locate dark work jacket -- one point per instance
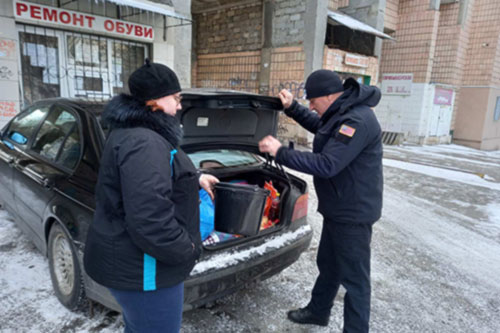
(346, 164)
(145, 234)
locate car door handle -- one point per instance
(47, 183)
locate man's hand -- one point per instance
(286, 98)
(269, 145)
(207, 182)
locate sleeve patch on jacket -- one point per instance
(347, 130)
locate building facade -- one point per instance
(447, 54)
(264, 46)
(86, 49)
(439, 74)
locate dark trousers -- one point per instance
(151, 311)
(344, 259)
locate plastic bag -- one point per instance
(218, 237)
(206, 214)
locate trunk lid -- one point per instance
(227, 119)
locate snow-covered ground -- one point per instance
(435, 261)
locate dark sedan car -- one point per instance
(49, 158)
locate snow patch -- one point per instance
(493, 211)
(457, 176)
(231, 259)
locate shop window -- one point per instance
(87, 51)
(362, 79)
(58, 63)
(125, 58)
(40, 66)
(89, 83)
(344, 38)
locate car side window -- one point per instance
(70, 153)
(23, 126)
(59, 130)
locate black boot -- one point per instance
(305, 316)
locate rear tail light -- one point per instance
(300, 208)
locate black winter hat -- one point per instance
(322, 83)
(152, 81)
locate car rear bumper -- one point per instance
(209, 281)
(216, 282)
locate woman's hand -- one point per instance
(207, 183)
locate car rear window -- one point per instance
(222, 158)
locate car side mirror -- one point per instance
(18, 138)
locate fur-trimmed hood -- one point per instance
(124, 111)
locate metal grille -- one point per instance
(58, 63)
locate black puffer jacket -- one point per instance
(346, 160)
(145, 234)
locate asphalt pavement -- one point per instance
(435, 261)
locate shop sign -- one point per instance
(59, 17)
(355, 60)
(443, 96)
(397, 84)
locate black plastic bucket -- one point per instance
(239, 208)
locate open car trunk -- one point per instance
(266, 223)
(227, 121)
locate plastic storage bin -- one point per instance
(239, 208)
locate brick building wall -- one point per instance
(288, 22)
(475, 124)
(287, 72)
(235, 71)
(416, 41)
(482, 67)
(335, 4)
(343, 3)
(231, 29)
(333, 59)
(451, 49)
(391, 15)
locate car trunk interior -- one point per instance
(268, 225)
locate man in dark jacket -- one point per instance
(145, 236)
(346, 163)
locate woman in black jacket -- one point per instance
(145, 237)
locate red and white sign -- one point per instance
(59, 17)
(397, 84)
(355, 60)
(443, 96)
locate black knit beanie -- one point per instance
(322, 83)
(153, 81)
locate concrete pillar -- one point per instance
(9, 71)
(315, 20)
(266, 51)
(182, 43)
